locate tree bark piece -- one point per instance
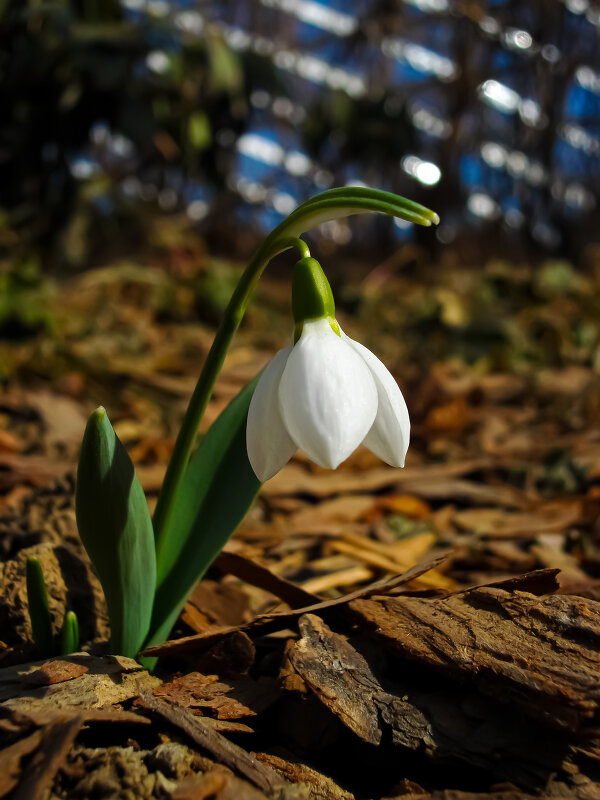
(224, 751)
(57, 741)
(339, 676)
(542, 654)
(59, 683)
(320, 786)
(279, 620)
(10, 761)
(216, 785)
(447, 721)
(223, 699)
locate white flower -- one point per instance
(325, 395)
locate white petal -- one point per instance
(327, 397)
(269, 444)
(390, 434)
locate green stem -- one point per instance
(214, 361)
(329, 205)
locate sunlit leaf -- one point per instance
(116, 530)
(199, 131)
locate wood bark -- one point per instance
(540, 654)
(444, 720)
(225, 752)
(79, 681)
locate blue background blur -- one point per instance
(231, 113)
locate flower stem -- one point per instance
(232, 318)
(329, 205)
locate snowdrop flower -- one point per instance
(326, 394)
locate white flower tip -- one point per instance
(328, 459)
(262, 471)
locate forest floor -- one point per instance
(431, 632)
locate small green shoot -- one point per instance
(39, 613)
(69, 635)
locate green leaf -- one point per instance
(39, 613)
(69, 635)
(217, 489)
(116, 530)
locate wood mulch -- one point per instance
(368, 633)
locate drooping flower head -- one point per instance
(326, 394)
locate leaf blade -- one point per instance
(217, 489)
(116, 530)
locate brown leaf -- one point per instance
(294, 479)
(497, 523)
(339, 510)
(214, 604)
(64, 419)
(257, 575)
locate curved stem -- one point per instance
(214, 361)
(329, 205)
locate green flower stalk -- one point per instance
(148, 567)
(332, 204)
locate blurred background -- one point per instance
(228, 114)
(152, 144)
